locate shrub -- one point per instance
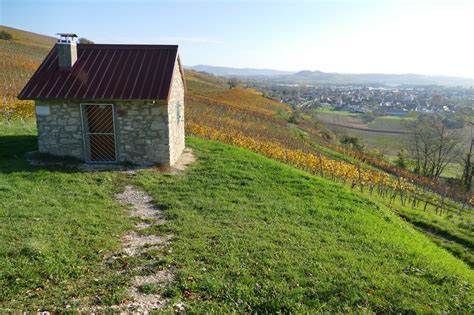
(5, 35)
(402, 158)
(84, 40)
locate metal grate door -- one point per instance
(99, 132)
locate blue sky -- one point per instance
(418, 36)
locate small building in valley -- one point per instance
(109, 103)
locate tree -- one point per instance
(84, 40)
(468, 168)
(295, 117)
(5, 35)
(432, 144)
(352, 141)
(368, 117)
(233, 83)
(402, 159)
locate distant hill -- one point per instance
(319, 77)
(312, 77)
(227, 71)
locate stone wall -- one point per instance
(59, 129)
(142, 132)
(176, 115)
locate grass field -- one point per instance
(251, 235)
(453, 170)
(57, 226)
(391, 123)
(331, 110)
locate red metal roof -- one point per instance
(106, 72)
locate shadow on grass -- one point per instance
(19, 153)
(17, 150)
(14, 147)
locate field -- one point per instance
(453, 170)
(250, 235)
(259, 236)
(57, 227)
(385, 134)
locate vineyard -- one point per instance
(245, 118)
(19, 58)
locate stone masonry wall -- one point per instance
(176, 115)
(142, 132)
(60, 130)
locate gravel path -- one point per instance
(136, 244)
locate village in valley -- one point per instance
(379, 100)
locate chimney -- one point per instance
(67, 50)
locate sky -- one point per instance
(432, 37)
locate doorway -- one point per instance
(99, 132)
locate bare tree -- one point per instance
(433, 145)
(468, 165)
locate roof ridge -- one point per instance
(130, 46)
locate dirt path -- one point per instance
(136, 244)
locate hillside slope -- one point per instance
(246, 118)
(250, 235)
(19, 58)
(254, 235)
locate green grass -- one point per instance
(331, 110)
(397, 118)
(253, 235)
(390, 123)
(57, 228)
(450, 229)
(250, 235)
(150, 288)
(452, 170)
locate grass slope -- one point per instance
(248, 113)
(56, 228)
(251, 234)
(254, 235)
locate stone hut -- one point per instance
(109, 103)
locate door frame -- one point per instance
(85, 133)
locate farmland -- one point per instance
(371, 134)
(386, 134)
